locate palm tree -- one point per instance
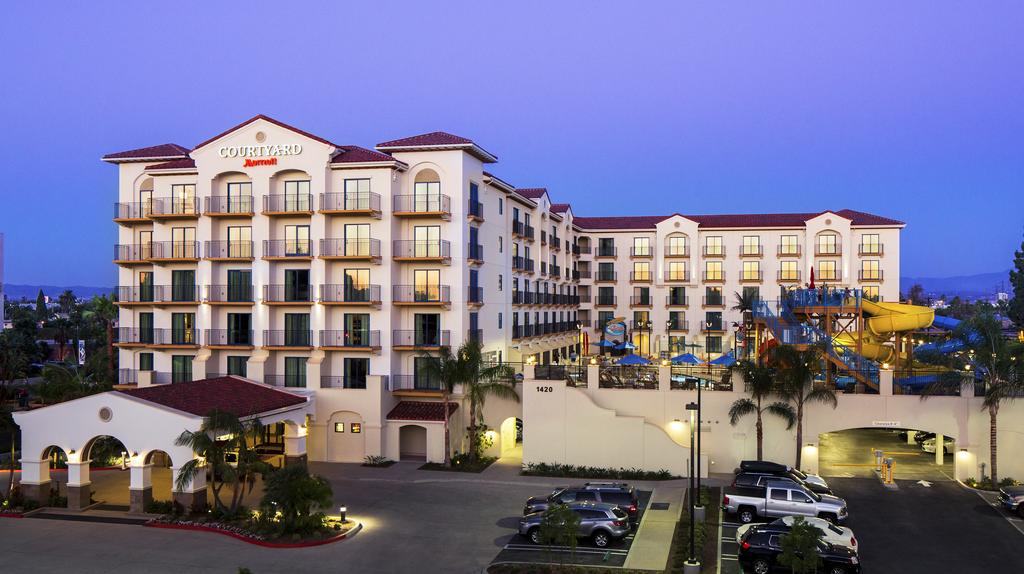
(481, 382)
(61, 334)
(448, 371)
(105, 311)
(12, 362)
(746, 300)
(67, 302)
(796, 371)
(760, 383)
(7, 423)
(222, 433)
(62, 383)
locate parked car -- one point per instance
(767, 467)
(831, 533)
(1012, 499)
(781, 498)
(760, 548)
(920, 437)
(758, 479)
(948, 445)
(602, 523)
(618, 493)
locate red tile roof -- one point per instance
(531, 192)
(356, 154)
(625, 222)
(731, 220)
(268, 119)
(559, 207)
(162, 151)
(420, 411)
(175, 164)
(427, 140)
(230, 394)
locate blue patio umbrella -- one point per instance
(625, 346)
(687, 358)
(632, 359)
(604, 343)
(726, 360)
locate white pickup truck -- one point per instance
(781, 498)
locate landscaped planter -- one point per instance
(245, 536)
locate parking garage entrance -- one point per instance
(851, 453)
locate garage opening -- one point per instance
(412, 443)
(851, 453)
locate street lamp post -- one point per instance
(692, 566)
(579, 341)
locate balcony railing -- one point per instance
(677, 251)
(870, 249)
(556, 242)
(475, 336)
(788, 251)
(751, 276)
(605, 301)
(475, 295)
(640, 276)
(712, 327)
(342, 382)
(476, 209)
(835, 276)
(133, 336)
(683, 276)
(607, 252)
(556, 271)
(791, 276)
(357, 338)
(422, 249)
(285, 248)
(140, 294)
(420, 338)
(174, 207)
(287, 338)
(422, 204)
(226, 249)
(287, 293)
(174, 250)
(350, 248)
(604, 276)
(297, 380)
(229, 338)
(677, 325)
(641, 301)
(828, 250)
(284, 204)
(584, 249)
(475, 252)
(221, 205)
(127, 376)
(176, 293)
(354, 203)
(583, 298)
(641, 251)
(415, 383)
(132, 210)
(675, 301)
(368, 294)
(543, 237)
(713, 301)
(176, 337)
(714, 276)
(522, 264)
(231, 293)
(424, 294)
(870, 275)
(751, 250)
(714, 251)
(133, 253)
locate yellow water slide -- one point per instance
(882, 320)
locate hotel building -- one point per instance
(274, 254)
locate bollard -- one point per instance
(888, 470)
(878, 460)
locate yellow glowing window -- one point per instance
(356, 428)
(751, 270)
(788, 245)
(828, 271)
(339, 427)
(789, 271)
(677, 271)
(751, 245)
(713, 271)
(713, 246)
(641, 271)
(828, 244)
(676, 246)
(869, 269)
(641, 246)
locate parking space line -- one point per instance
(565, 549)
(999, 510)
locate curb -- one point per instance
(263, 543)
(12, 515)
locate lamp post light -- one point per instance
(579, 341)
(692, 566)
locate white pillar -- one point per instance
(664, 378)
(910, 436)
(78, 473)
(885, 377)
(192, 494)
(939, 450)
(35, 479)
(79, 489)
(140, 486)
(294, 442)
(145, 379)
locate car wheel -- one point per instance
(534, 535)
(745, 515)
(601, 539)
(761, 566)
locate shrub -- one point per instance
(377, 460)
(160, 507)
(292, 495)
(574, 471)
(56, 500)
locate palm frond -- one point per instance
(739, 409)
(784, 411)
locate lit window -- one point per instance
(751, 245)
(339, 427)
(356, 428)
(641, 246)
(713, 245)
(789, 246)
(789, 271)
(677, 271)
(828, 270)
(751, 270)
(641, 271)
(713, 271)
(828, 244)
(870, 270)
(676, 246)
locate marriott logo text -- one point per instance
(259, 150)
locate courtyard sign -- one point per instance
(259, 150)
(886, 424)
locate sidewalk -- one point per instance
(653, 541)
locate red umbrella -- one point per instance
(812, 278)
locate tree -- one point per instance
(916, 294)
(12, 362)
(796, 371)
(559, 527)
(746, 300)
(220, 434)
(449, 372)
(67, 302)
(1016, 305)
(61, 335)
(64, 383)
(760, 383)
(42, 313)
(800, 547)
(296, 494)
(7, 424)
(483, 381)
(104, 310)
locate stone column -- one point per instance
(910, 437)
(294, 443)
(939, 450)
(141, 487)
(79, 485)
(35, 481)
(193, 495)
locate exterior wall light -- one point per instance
(593, 360)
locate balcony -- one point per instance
(474, 296)
(223, 250)
(605, 277)
(604, 301)
(290, 294)
(641, 252)
(174, 208)
(133, 337)
(714, 251)
(475, 210)
(438, 250)
(350, 295)
(543, 237)
(677, 276)
(582, 249)
(415, 385)
(575, 275)
(287, 249)
(229, 339)
(127, 377)
(828, 250)
(751, 276)
(231, 294)
(641, 301)
(366, 204)
(475, 336)
(294, 380)
(350, 249)
(714, 276)
(174, 252)
(870, 275)
(175, 338)
(170, 295)
(421, 295)
(639, 276)
(675, 301)
(132, 254)
(422, 205)
(713, 301)
(788, 251)
(346, 340)
(528, 232)
(288, 204)
(342, 382)
(751, 251)
(141, 295)
(556, 271)
(518, 229)
(826, 275)
(788, 276)
(556, 242)
(133, 212)
(522, 264)
(475, 253)
(606, 252)
(677, 325)
(229, 206)
(871, 249)
(584, 274)
(411, 340)
(677, 251)
(712, 327)
(287, 340)
(583, 298)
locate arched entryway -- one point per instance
(159, 464)
(511, 436)
(108, 477)
(412, 443)
(345, 437)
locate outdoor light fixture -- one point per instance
(343, 511)
(593, 360)
(885, 366)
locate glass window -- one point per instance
(357, 239)
(296, 330)
(427, 240)
(642, 246)
(357, 285)
(146, 286)
(145, 361)
(296, 240)
(183, 198)
(183, 285)
(239, 197)
(788, 245)
(713, 245)
(713, 344)
(870, 244)
(751, 270)
(713, 296)
(239, 285)
(713, 271)
(677, 295)
(641, 271)
(239, 329)
(871, 292)
(295, 371)
(870, 270)
(427, 329)
(426, 285)
(296, 284)
(606, 246)
(356, 371)
(677, 246)
(181, 368)
(677, 271)
(357, 194)
(183, 243)
(183, 329)
(239, 242)
(828, 244)
(713, 320)
(357, 329)
(238, 365)
(146, 328)
(828, 270)
(751, 245)
(789, 270)
(296, 196)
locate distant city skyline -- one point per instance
(706, 109)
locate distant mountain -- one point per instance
(970, 286)
(14, 292)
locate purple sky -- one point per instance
(912, 110)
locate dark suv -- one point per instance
(760, 480)
(760, 548)
(618, 493)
